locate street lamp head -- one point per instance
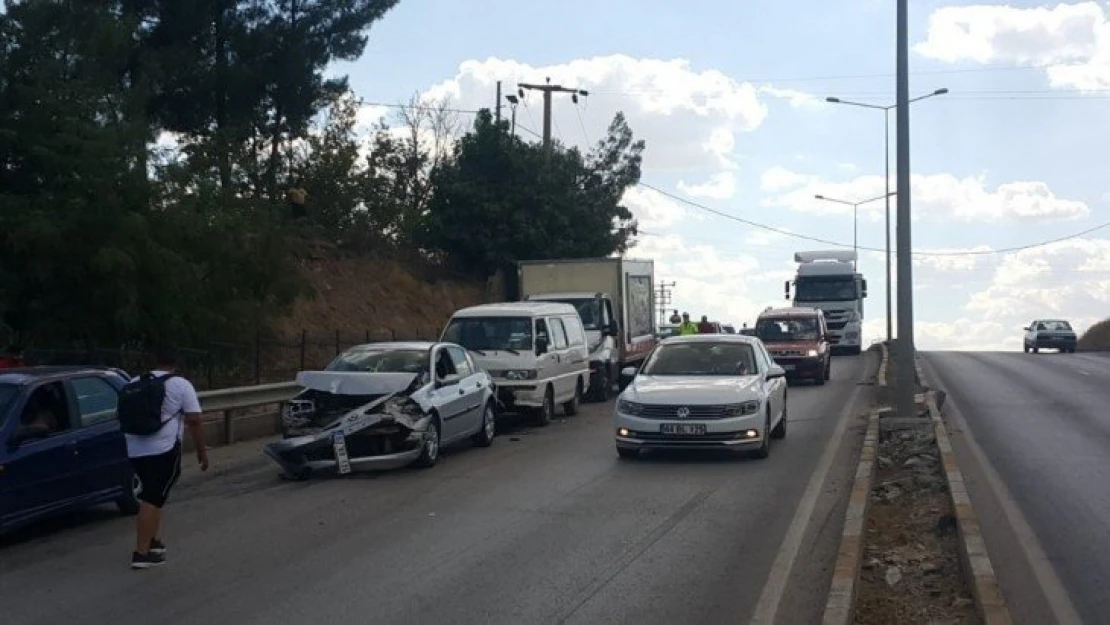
(819, 196)
(941, 91)
(583, 92)
(512, 99)
(833, 100)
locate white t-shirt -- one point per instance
(181, 398)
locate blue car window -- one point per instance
(96, 400)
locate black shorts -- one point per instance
(157, 474)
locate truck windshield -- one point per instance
(490, 333)
(825, 289)
(588, 309)
(780, 330)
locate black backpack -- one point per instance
(140, 404)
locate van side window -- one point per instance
(558, 333)
(541, 330)
(576, 335)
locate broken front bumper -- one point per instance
(315, 453)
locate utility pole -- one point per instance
(547, 90)
(904, 364)
(663, 297)
(497, 109)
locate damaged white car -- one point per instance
(385, 406)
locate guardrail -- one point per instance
(229, 400)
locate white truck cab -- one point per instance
(829, 281)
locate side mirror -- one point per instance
(786, 288)
(27, 433)
(447, 380)
(776, 372)
(1027, 328)
(541, 345)
(611, 330)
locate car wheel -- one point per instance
(128, 502)
(485, 435)
(429, 452)
(828, 369)
(628, 454)
(765, 445)
(545, 412)
(1025, 347)
(1036, 350)
(571, 407)
(780, 429)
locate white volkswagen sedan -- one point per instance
(703, 391)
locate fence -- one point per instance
(222, 365)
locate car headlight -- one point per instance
(743, 409)
(629, 407)
(812, 353)
(520, 374)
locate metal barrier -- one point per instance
(227, 400)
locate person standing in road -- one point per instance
(687, 326)
(154, 409)
(705, 327)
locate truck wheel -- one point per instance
(601, 394)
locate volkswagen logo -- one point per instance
(682, 412)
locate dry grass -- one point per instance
(382, 297)
(1097, 338)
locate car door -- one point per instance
(775, 387)
(547, 363)
(471, 388)
(449, 399)
(101, 448)
(564, 368)
(42, 475)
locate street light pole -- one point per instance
(886, 154)
(855, 218)
(904, 363)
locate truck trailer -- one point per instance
(615, 298)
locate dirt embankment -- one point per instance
(382, 298)
(1097, 338)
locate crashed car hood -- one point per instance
(356, 382)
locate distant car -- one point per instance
(746, 331)
(728, 328)
(61, 448)
(666, 330)
(385, 406)
(703, 391)
(798, 339)
(1050, 334)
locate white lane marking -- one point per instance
(775, 587)
(1057, 596)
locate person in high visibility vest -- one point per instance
(687, 327)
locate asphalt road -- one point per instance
(546, 526)
(1042, 422)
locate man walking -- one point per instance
(153, 412)
(688, 327)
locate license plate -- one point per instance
(685, 429)
(339, 444)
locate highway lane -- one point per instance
(547, 526)
(1042, 422)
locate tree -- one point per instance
(500, 199)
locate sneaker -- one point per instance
(157, 547)
(146, 561)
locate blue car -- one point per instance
(61, 448)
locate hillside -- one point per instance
(1097, 338)
(384, 298)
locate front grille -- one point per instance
(787, 353)
(836, 325)
(662, 411)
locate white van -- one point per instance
(535, 351)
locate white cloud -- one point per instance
(719, 186)
(942, 197)
(797, 99)
(653, 211)
(1070, 41)
(689, 118)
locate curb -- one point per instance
(977, 566)
(841, 604)
(881, 375)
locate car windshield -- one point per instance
(1054, 326)
(701, 358)
(490, 333)
(825, 289)
(780, 330)
(378, 360)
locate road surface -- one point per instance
(1042, 422)
(546, 526)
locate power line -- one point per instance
(762, 226)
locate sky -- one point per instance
(731, 101)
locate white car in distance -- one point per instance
(703, 391)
